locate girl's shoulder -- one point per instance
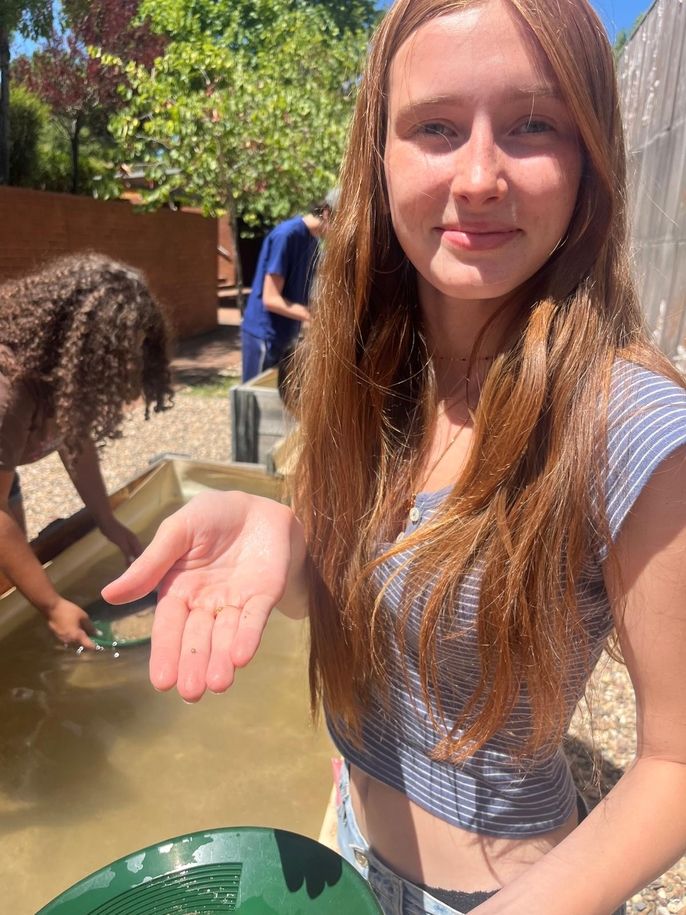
(632, 381)
(644, 407)
(646, 422)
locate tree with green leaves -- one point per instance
(246, 112)
(350, 14)
(28, 119)
(33, 19)
(79, 91)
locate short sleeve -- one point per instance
(277, 258)
(646, 423)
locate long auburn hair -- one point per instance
(522, 507)
(90, 330)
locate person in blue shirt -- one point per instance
(277, 304)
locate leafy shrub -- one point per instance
(28, 119)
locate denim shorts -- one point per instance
(396, 896)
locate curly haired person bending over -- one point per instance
(79, 340)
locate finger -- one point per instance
(195, 654)
(220, 670)
(144, 574)
(82, 639)
(167, 632)
(251, 625)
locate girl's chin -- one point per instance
(476, 290)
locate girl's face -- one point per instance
(482, 159)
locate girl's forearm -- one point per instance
(88, 482)
(19, 563)
(634, 835)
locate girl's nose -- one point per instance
(479, 175)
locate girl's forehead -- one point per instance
(483, 44)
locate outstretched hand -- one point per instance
(220, 564)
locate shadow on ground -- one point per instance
(207, 359)
(198, 379)
(593, 774)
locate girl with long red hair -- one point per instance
(490, 481)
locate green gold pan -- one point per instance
(247, 870)
(125, 625)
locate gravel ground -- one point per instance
(598, 759)
(198, 426)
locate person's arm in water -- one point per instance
(274, 301)
(87, 479)
(221, 564)
(68, 622)
(639, 829)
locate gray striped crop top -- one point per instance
(491, 793)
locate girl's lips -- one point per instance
(477, 239)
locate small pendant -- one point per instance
(415, 514)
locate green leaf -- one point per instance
(253, 96)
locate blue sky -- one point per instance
(620, 14)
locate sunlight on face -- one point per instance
(482, 158)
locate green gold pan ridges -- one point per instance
(247, 870)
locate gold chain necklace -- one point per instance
(462, 358)
(414, 514)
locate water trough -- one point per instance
(94, 763)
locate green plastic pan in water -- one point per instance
(247, 870)
(124, 625)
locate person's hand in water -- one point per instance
(70, 624)
(220, 565)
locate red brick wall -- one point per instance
(177, 252)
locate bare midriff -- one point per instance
(425, 849)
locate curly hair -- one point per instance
(88, 328)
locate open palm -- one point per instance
(220, 564)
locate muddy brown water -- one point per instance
(95, 764)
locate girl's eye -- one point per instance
(533, 126)
(435, 129)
